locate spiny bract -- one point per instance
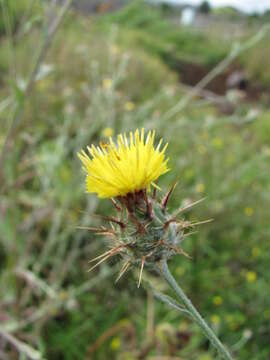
(144, 233)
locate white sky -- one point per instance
(245, 5)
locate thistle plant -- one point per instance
(142, 233)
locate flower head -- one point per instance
(215, 319)
(129, 106)
(248, 211)
(107, 83)
(127, 167)
(217, 300)
(142, 233)
(107, 132)
(200, 188)
(251, 276)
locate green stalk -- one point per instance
(194, 313)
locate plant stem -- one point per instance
(54, 23)
(237, 50)
(193, 312)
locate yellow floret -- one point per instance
(128, 166)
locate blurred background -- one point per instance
(75, 73)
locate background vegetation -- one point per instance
(104, 74)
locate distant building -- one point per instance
(187, 16)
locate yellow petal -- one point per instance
(130, 165)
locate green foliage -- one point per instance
(97, 76)
(257, 63)
(11, 12)
(159, 36)
(205, 7)
(228, 11)
(262, 128)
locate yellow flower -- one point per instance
(126, 167)
(107, 83)
(215, 319)
(217, 143)
(217, 300)
(129, 106)
(114, 49)
(248, 211)
(115, 343)
(251, 276)
(107, 132)
(63, 295)
(256, 252)
(200, 188)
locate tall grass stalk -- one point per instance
(195, 315)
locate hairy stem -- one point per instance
(193, 312)
(53, 26)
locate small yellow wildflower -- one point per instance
(130, 166)
(256, 252)
(107, 83)
(200, 188)
(248, 211)
(215, 319)
(217, 143)
(107, 132)
(129, 106)
(115, 343)
(63, 295)
(217, 300)
(251, 276)
(114, 49)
